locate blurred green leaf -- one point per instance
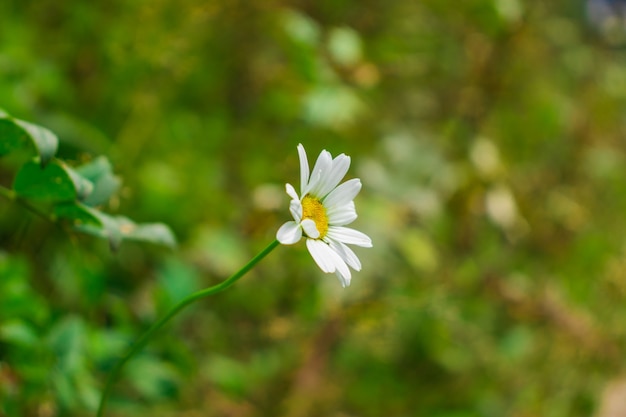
(44, 140)
(16, 133)
(418, 250)
(516, 343)
(65, 389)
(107, 229)
(221, 249)
(78, 213)
(71, 378)
(229, 374)
(18, 332)
(11, 136)
(67, 339)
(178, 280)
(119, 228)
(152, 377)
(100, 173)
(344, 44)
(157, 233)
(301, 27)
(17, 298)
(87, 389)
(54, 182)
(108, 345)
(333, 106)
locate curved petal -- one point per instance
(349, 236)
(324, 161)
(345, 280)
(342, 271)
(346, 254)
(304, 168)
(289, 233)
(320, 170)
(310, 228)
(337, 171)
(343, 194)
(322, 255)
(295, 207)
(291, 192)
(328, 260)
(342, 215)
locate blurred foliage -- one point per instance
(53, 190)
(489, 138)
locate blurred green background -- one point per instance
(489, 136)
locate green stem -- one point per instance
(178, 307)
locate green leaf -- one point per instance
(228, 374)
(119, 228)
(107, 229)
(83, 186)
(301, 28)
(157, 233)
(54, 182)
(332, 106)
(100, 173)
(16, 133)
(345, 46)
(64, 388)
(11, 136)
(67, 340)
(178, 280)
(78, 214)
(152, 377)
(18, 332)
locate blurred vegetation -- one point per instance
(489, 135)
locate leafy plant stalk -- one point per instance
(173, 312)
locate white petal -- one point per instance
(289, 233)
(346, 254)
(328, 260)
(316, 177)
(343, 194)
(342, 218)
(304, 168)
(345, 280)
(320, 170)
(295, 207)
(343, 272)
(291, 192)
(310, 228)
(322, 255)
(342, 215)
(331, 211)
(337, 171)
(324, 161)
(349, 236)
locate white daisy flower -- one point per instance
(322, 210)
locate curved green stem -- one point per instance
(177, 308)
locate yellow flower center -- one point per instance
(313, 209)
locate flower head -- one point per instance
(321, 213)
